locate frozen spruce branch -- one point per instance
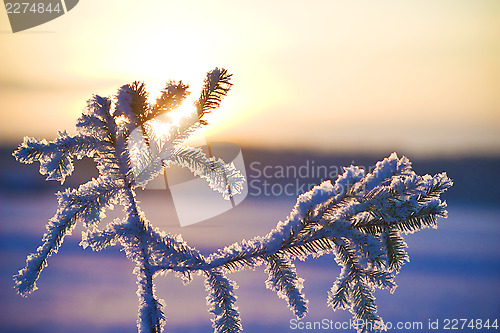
(360, 219)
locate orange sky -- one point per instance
(420, 77)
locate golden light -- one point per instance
(175, 117)
(160, 128)
(121, 120)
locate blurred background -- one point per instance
(316, 84)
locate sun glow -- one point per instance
(157, 128)
(183, 111)
(160, 128)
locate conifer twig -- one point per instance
(360, 219)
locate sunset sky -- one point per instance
(421, 77)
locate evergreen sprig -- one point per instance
(215, 88)
(360, 219)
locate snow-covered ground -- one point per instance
(454, 273)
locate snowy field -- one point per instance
(454, 273)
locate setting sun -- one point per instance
(333, 67)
